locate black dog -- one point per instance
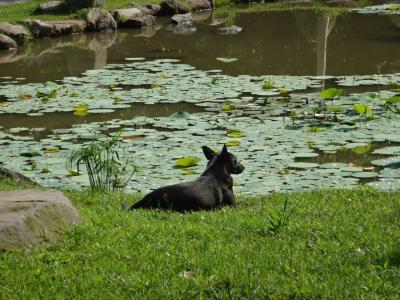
(211, 190)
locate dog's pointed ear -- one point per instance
(224, 150)
(209, 153)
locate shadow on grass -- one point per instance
(390, 260)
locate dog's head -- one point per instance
(233, 166)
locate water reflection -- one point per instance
(291, 43)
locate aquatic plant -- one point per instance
(102, 161)
(278, 218)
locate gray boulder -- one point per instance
(182, 19)
(139, 22)
(68, 26)
(51, 6)
(229, 30)
(197, 5)
(7, 43)
(183, 24)
(33, 218)
(121, 15)
(18, 177)
(171, 7)
(17, 32)
(84, 3)
(41, 29)
(148, 9)
(100, 20)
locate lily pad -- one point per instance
(391, 162)
(186, 162)
(303, 165)
(392, 150)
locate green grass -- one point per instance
(338, 244)
(28, 10)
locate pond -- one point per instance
(170, 94)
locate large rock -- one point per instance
(17, 32)
(18, 177)
(197, 5)
(100, 20)
(69, 26)
(172, 7)
(123, 14)
(51, 6)
(34, 218)
(139, 22)
(182, 19)
(84, 3)
(7, 43)
(182, 24)
(41, 29)
(148, 9)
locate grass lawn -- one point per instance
(338, 244)
(28, 10)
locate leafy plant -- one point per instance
(267, 85)
(186, 162)
(330, 93)
(277, 219)
(363, 110)
(102, 161)
(392, 103)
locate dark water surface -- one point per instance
(289, 43)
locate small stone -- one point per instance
(51, 6)
(7, 43)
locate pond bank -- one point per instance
(41, 19)
(92, 19)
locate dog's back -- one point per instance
(209, 191)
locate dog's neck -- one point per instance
(220, 173)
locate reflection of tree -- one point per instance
(395, 20)
(54, 58)
(316, 30)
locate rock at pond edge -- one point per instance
(33, 218)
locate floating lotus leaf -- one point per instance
(303, 165)
(393, 100)
(362, 109)
(351, 169)
(305, 154)
(81, 110)
(330, 93)
(387, 185)
(393, 150)
(365, 174)
(232, 143)
(31, 153)
(186, 162)
(392, 162)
